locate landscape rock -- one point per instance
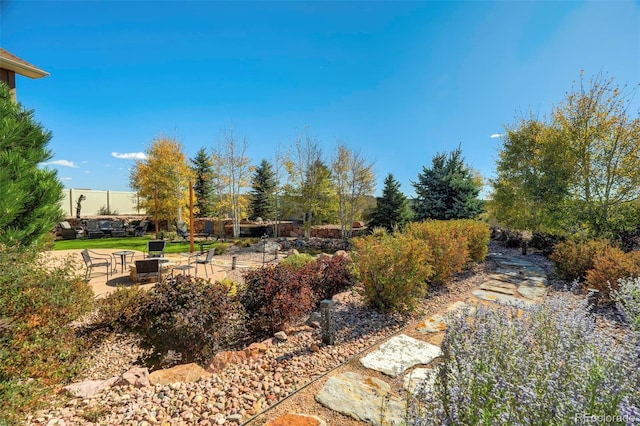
(138, 377)
(296, 420)
(184, 373)
(502, 298)
(420, 379)
(432, 324)
(281, 335)
(88, 388)
(531, 292)
(223, 358)
(363, 398)
(399, 354)
(499, 287)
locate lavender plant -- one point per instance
(627, 297)
(548, 365)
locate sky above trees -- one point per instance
(400, 81)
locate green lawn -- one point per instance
(128, 243)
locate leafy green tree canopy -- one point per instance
(448, 190)
(29, 205)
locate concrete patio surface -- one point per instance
(98, 281)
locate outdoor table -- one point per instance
(123, 257)
(183, 268)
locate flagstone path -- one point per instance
(378, 394)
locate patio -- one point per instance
(122, 275)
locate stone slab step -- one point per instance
(503, 299)
(400, 353)
(499, 287)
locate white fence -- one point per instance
(117, 202)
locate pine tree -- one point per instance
(448, 190)
(203, 186)
(263, 188)
(392, 209)
(29, 204)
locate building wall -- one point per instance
(122, 202)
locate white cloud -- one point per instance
(130, 155)
(496, 135)
(65, 178)
(63, 163)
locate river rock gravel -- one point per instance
(241, 390)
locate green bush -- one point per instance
(392, 269)
(188, 315)
(297, 261)
(38, 303)
(447, 247)
(121, 308)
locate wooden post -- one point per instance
(191, 217)
(155, 198)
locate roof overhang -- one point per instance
(20, 67)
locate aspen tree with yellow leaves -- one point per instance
(166, 169)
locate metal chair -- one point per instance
(155, 248)
(96, 260)
(204, 260)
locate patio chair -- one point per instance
(141, 228)
(93, 229)
(155, 248)
(67, 232)
(95, 260)
(204, 259)
(148, 268)
(208, 230)
(118, 229)
(183, 230)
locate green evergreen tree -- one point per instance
(263, 189)
(392, 209)
(448, 190)
(30, 200)
(203, 188)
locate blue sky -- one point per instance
(399, 81)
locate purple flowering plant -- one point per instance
(546, 365)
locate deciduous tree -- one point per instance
(354, 180)
(29, 203)
(166, 170)
(233, 169)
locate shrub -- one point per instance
(393, 270)
(446, 246)
(627, 298)
(545, 242)
(121, 308)
(297, 261)
(328, 276)
(549, 366)
(477, 235)
(609, 266)
(572, 259)
(275, 296)
(188, 315)
(38, 303)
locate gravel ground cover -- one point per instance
(244, 392)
